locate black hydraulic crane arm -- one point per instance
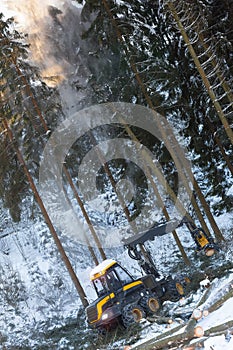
(203, 241)
(156, 231)
(143, 255)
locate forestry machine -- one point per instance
(126, 300)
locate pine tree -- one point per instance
(21, 88)
(152, 42)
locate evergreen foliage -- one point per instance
(23, 96)
(144, 34)
(133, 38)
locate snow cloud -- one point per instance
(44, 21)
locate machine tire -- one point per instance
(132, 313)
(177, 287)
(183, 281)
(172, 292)
(180, 288)
(150, 304)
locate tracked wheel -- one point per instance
(132, 313)
(102, 332)
(173, 290)
(150, 304)
(177, 288)
(180, 288)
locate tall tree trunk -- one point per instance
(155, 189)
(150, 104)
(43, 122)
(88, 221)
(57, 241)
(209, 215)
(201, 71)
(222, 80)
(90, 248)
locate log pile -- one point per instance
(190, 335)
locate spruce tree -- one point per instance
(26, 101)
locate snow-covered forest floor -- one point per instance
(40, 305)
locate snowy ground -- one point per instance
(38, 306)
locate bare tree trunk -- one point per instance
(155, 189)
(91, 227)
(47, 218)
(90, 248)
(209, 52)
(150, 104)
(219, 143)
(206, 208)
(201, 71)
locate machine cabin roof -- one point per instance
(101, 269)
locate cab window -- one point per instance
(124, 276)
(100, 285)
(113, 281)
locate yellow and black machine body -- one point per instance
(116, 289)
(203, 242)
(124, 299)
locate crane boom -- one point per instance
(155, 231)
(137, 250)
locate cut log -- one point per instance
(221, 300)
(219, 297)
(219, 329)
(198, 332)
(205, 313)
(184, 333)
(197, 314)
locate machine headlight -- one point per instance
(105, 316)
